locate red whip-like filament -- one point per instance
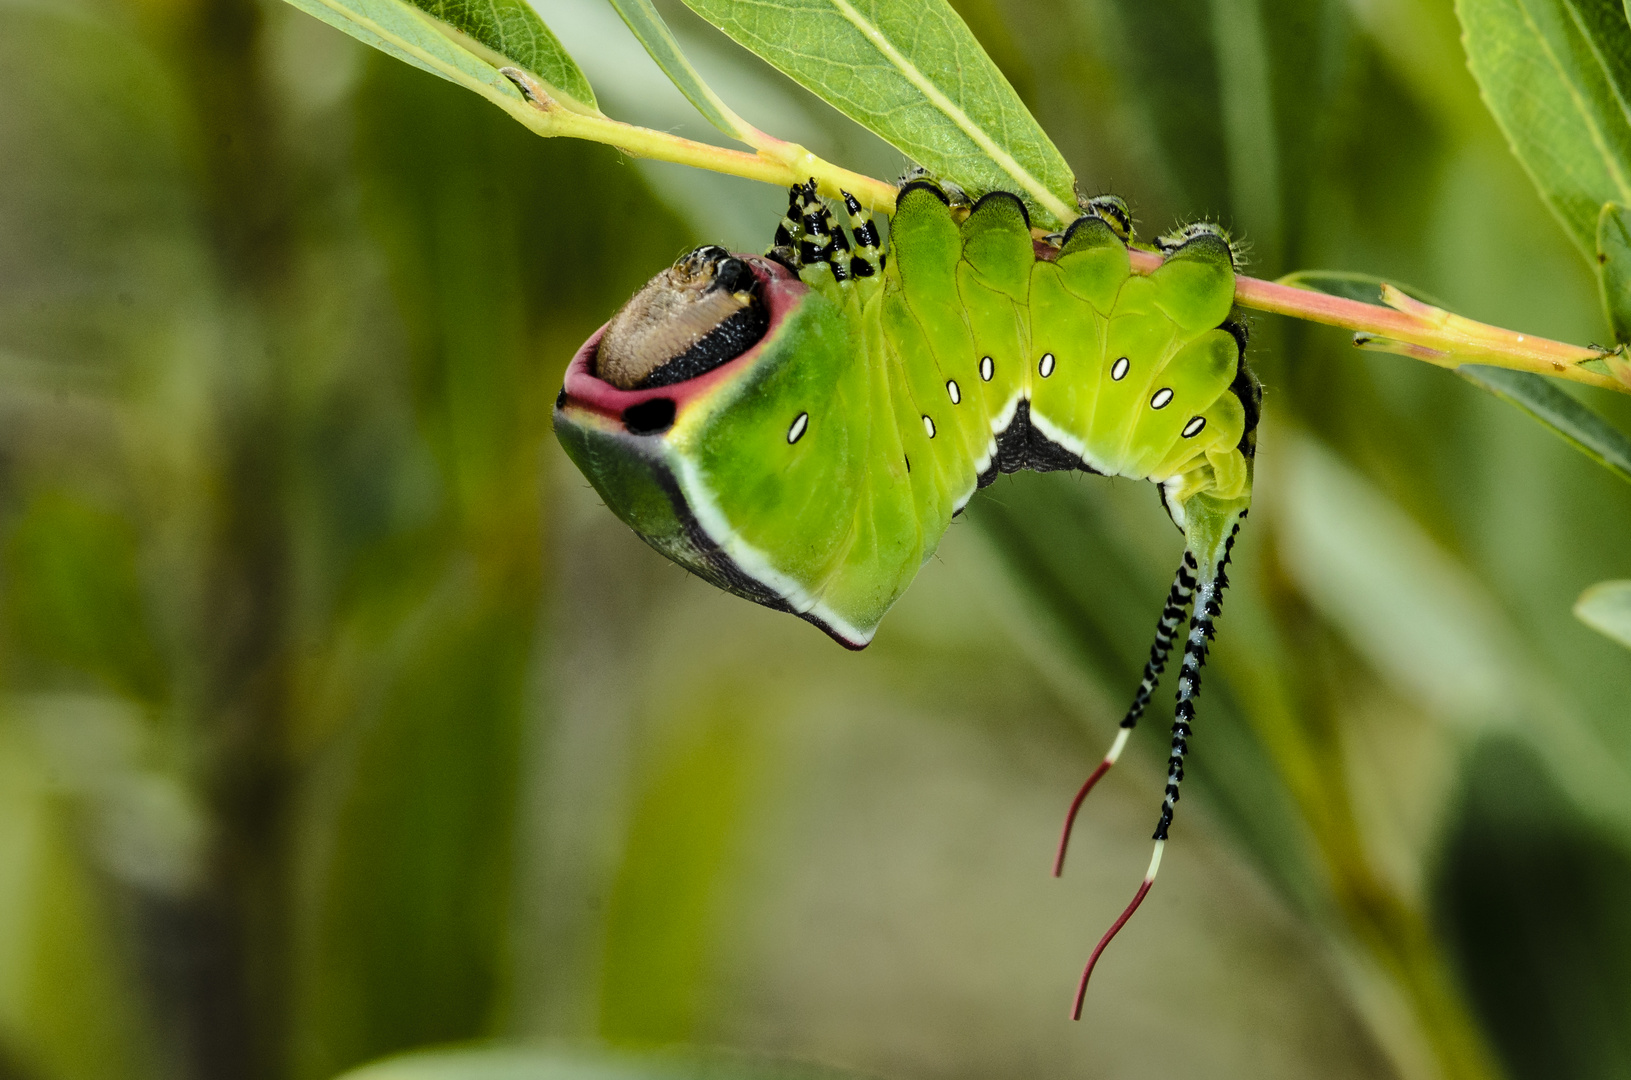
(1070, 818)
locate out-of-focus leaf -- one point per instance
(648, 26)
(1531, 896)
(1606, 608)
(75, 596)
(586, 1064)
(1553, 406)
(145, 827)
(1422, 620)
(660, 920)
(1557, 76)
(1428, 625)
(468, 52)
(910, 71)
(69, 1005)
(1571, 421)
(1614, 267)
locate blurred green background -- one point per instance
(337, 717)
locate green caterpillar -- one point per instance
(801, 428)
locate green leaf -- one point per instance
(1557, 76)
(465, 43)
(1553, 406)
(1614, 267)
(662, 927)
(910, 71)
(76, 595)
(1573, 422)
(583, 1064)
(648, 26)
(1606, 608)
(513, 30)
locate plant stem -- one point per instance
(1408, 327)
(775, 162)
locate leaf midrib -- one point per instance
(1006, 161)
(1610, 162)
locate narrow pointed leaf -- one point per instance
(911, 71)
(1614, 267)
(648, 26)
(1557, 76)
(1576, 424)
(463, 41)
(1606, 608)
(513, 30)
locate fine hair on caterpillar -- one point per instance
(801, 427)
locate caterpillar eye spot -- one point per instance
(649, 417)
(699, 313)
(560, 399)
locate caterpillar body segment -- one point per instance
(971, 351)
(801, 428)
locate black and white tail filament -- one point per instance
(1206, 594)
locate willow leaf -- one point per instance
(1606, 608)
(648, 26)
(913, 73)
(1614, 268)
(464, 42)
(513, 30)
(1557, 76)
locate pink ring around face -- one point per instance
(781, 292)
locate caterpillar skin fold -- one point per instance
(800, 428)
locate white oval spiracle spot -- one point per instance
(928, 425)
(1162, 398)
(1193, 428)
(1118, 370)
(796, 432)
(1046, 366)
(987, 368)
(956, 394)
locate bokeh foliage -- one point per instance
(337, 719)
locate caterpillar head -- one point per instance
(689, 413)
(699, 313)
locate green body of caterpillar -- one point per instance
(818, 470)
(801, 429)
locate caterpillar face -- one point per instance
(657, 397)
(692, 317)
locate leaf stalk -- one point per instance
(773, 161)
(1408, 327)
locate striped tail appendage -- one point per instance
(1172, 616)
(1208, 603)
